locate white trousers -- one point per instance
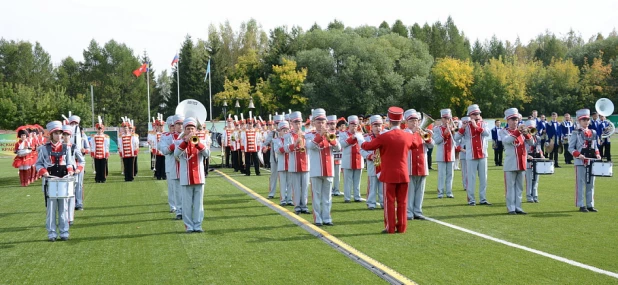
(582, 187)
(416, 191)
(514, 183)
(532, 187)
(445, 178)
(464, 174)
(174, 194)
(273, 178)
(79, 189)
(477, 166)
(375, 190)
(351, 180)
(285, 190)
(300, 185)
(321, 199)
(193, 206)
(336, 178)
(57, 208)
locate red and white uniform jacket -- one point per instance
(369, 155)
(100, 146)
(226, 139)
(515, 155)
(445, 144)
(351, 158)
(417, 157)
(475, 140)
(235, 140)
(269, 143)
(153, 140)
(298, 161)
(191, 157)
(205, 136)
(282, 156)
(166, 146)
(250, 141)
(337, 153)
(320, 155)
(128, 146)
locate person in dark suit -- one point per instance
(554, 134)
(541, 127)
(497, 145)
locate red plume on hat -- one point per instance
(342, 119)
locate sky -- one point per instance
(66, 27)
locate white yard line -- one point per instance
(542, 253)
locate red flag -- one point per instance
(140, 70)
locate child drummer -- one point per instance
(583, 146)
(54, 159)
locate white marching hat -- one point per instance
(54, 126)
(375, 119)
(170, 120)
(353, 119)
(473, 109)
(190, 121)
(411, 114)
(318, 114)
(296, 116)
(510, 113)
(74, 118)
(67, 129)
(583, 114)
(179, 118)
(283, 124)
(445, 113)
(278, 118)
(331, 118)
(465, 119)
(531, 123)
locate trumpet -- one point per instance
(424, 134)
(195, 139)
(331, 137)
(454, 127)
(377, 160)
(532, 131)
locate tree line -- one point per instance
(346, 70)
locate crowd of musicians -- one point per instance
(395, 151)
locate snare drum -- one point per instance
(602, 168)
(61, 187)
(544, 167)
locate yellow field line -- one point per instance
(326, 235)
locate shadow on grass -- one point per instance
(216, 209)
(122, 215)
(78, 225)
(3, 215)
(227, 201)
(248, 229)
(123, 206)
(285, 239)
(240, 216)
(17, 229)
(10, 244)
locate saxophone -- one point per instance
(377, 160)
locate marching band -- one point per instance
(393, 149)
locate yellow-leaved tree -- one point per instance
(452, 81)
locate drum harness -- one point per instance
(56, 169)
(534, 155)
(588, 152)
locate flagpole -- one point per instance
(178, 79)
(210, 91)
(148, 88)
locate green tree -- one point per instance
(400, 29)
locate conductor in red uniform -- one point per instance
(394, 146)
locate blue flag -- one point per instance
(207, 70)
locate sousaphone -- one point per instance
(192, 108)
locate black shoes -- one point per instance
(486, 203)
(329, 224)
(64, 238)
(305, 212)
(178, 217)
(51, 239)
(512, 213)
(521, 213)
(471, 204)
(270, 197)
(592, 209)
(318, 224)
(583, 209)
(420, 217)
(450, 196)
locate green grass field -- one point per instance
(126, 235)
